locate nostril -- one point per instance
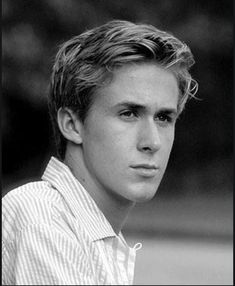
(146, 148)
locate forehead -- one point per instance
(145, 84)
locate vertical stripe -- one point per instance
(54, 233)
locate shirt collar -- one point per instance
(78, 199)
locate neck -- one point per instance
(114, 207)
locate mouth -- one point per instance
(145, 170)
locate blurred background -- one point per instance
(186, 230)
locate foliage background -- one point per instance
(32, 31)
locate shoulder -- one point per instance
(37, 226)
(28, 204)
(38, 205)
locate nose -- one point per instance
(149, 138)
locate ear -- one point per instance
(69, 125)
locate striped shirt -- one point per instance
(53, 233)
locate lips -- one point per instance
(146, 166)
(145, 170)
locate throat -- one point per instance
(114, 207)
(116, 213)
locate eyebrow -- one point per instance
(134, 105)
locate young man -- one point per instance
(116, 93)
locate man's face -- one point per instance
(129, 132)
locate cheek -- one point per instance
(106, 159)
(109, 135)
(170, 142)
(106, 145)
(167, 145)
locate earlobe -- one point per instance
(70, 125)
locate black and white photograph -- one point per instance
(117, 142)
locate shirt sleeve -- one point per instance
(45, 256)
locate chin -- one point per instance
(143, 195)
(143, 199)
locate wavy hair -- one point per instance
(86, 61)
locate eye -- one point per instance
(164, 118)
(128, 114)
